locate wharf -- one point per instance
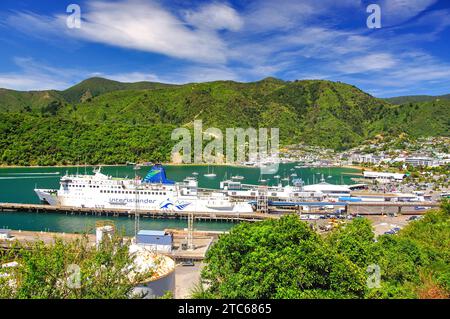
(277, 212)
(115, 212)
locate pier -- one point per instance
(350, 207)
(115, 212)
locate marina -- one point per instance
(269, 199)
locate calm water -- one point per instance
(17, 184)
(54, 222)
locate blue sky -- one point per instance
(182, 41)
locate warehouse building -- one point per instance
(156, 240)
(384, 177)
(327, 189)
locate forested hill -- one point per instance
(104, 121)
(416, 99)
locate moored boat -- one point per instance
(154, 192)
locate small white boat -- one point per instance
(212, 174)
(195, 173)
(294, 175)
(238, 177)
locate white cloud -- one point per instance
(141, 25)
(365, 63)
(130, 77)
(264, 15)
(35, 76)
(205, 74)
(215, 16)
(395, 12)
(286, 38)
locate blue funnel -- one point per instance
(157, 175)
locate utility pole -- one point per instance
(136, 206)
(190, 231)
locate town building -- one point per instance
(384, 177)
(155, 240)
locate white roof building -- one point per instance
(328, 189)
(382, 175)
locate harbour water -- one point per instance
(17, 184)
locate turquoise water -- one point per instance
(17, 184)
(53, 222)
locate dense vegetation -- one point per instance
(100, 120)
(286, 259)
(69, 270)
(416, 99)
(36, 140)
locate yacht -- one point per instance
(212, 174)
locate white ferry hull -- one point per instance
(154, 193)
(149, 203)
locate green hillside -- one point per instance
(324, 113)
(104, 113)
(417, 119)
(95, 86)
(416, 99)
(16, 101)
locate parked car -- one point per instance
(187, 263)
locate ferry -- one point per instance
(295, 192)
(155, 192)
(239, 191)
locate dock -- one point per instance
(116, 212)
(350, 208)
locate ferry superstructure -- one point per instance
(155, 192)
(296, 192)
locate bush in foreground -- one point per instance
(286, 259)
(65, 270)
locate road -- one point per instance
(186, 278)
